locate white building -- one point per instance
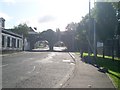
(10, 40)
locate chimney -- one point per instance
(2, 23)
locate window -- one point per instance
(13, 42)
(18, 43)
(8, 41)
(3, 40)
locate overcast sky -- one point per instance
(43, 14)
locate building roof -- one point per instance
(32, 31)
(11, 33)
(2, 19)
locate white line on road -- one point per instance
(30, 58)
(32, 70)
(4, 65)
(27, 60)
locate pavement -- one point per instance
(11, 53)
(87, 76)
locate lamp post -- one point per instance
(118, 28)
(95, 42)
(89, 32)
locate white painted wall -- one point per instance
(11, 48)
(26, 44)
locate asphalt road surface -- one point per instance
(35, 69)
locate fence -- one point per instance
(111, 47)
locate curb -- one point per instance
(72, 71)
(72, 57)
(111, 80)
(67, 77)
(12, 53)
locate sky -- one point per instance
(43, 14)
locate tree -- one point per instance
(116, 5)
(70, 35)
(71, 26)
(21, 29)
(106, 21)
(49, 35)
(82, 34)
(58, 34)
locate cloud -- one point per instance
(30, 21)
(5, 16)
(9, 1)
(46, 18)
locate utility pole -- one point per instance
(118, 32)
(89, 32)
(95, 41)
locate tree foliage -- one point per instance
(21, 29)
(106, 20)
(49, 35)
(71, 26)
(82, 32)
(116, 5)
(105, 16)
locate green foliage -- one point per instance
(71, 26)
(106, 20)
(82, 32)
(49, 35)
(113, 68)
(116, 81)
(21, 29)
(116, 5)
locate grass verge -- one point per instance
(113, 67)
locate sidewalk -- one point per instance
(10, 53)
(87, 76)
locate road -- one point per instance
(35, 69)
(54, 48)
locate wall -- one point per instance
(11, 41)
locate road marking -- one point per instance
(66, 60)
(27, 60)
(47, 59)
(30, 58)
(4, 65)
(51, 54)
(72, 63)
(32, 70)
(90, 86)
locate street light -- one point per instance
(89, 32)
(95, 42)
(92, 20)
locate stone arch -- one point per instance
(50, 36)
(33, 38)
